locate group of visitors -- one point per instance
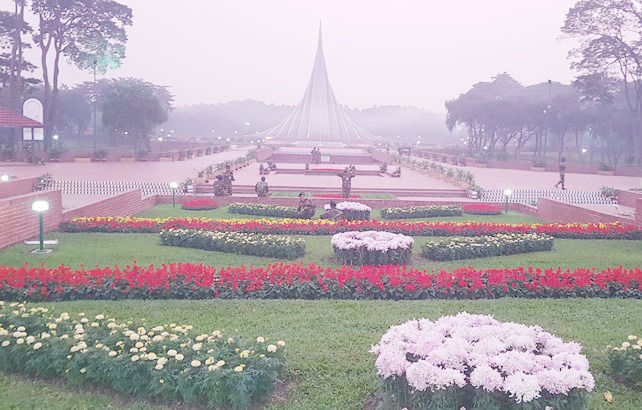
(316, 155)
(307, 209)
(223, 183)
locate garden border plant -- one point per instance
(263, 210)
(183, 280)
(163, 362)
(486, 245)
(199, 205)
(424, 211)
(275, 246)
(613, 230)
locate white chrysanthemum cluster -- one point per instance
(517, 360)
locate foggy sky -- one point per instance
(401, 52)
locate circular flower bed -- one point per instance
(372, 248)
(474, 361)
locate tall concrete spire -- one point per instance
(318, 117)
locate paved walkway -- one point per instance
(489, 178)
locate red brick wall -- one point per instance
(18, 222)
(558, 212)
(628, 198)
(126, 204)
(17, 186)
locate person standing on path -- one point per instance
(346, 181)
(261, 188)
(562, 173)
(228, 177)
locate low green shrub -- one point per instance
(263, 210)
(164, 362)
(625, 361)
(425, 211)
(485, 246)
(273, 246)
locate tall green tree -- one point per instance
(84, 31)
(610, 35)
(134, 108)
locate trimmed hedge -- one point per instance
(263, 210)
(485, 246)
(272, 246)
(425, 211)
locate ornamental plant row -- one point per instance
(199, 205)
(613, 230)
(425, 211)
(487, 245)
(165, 362)
(298, 281)
(263, 210)
(273, 246)
(482, 209)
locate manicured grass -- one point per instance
(328, 342)
(106, 249)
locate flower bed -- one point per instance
(625, 361)
(482, 209)
(182, 280)
(372, 248)
(477, 362)
(613, 230)
(487, 245)
(426, 211)
(199, 205)
(235, 242)
(162, 362)
(263, 210)
(353, 211)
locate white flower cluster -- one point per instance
(350, 206)
(379, 241)
(518, 360)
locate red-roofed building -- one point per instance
(12, 119)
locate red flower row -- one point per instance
(199, 205)
(321, 227)
(191, 281)
(482, 209)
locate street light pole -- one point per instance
(41, 206)
(173, 185)
(95, 103)
(507, 194)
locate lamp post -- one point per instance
(4, 177)
(160, 144)
(95, 103)
(507, 194)
(173, 185)
(40, 206)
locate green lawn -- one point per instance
(328, 340)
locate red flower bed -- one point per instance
(482, 209)
(199, 205)
(191, 281)
(320, 227)
(333, 196)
